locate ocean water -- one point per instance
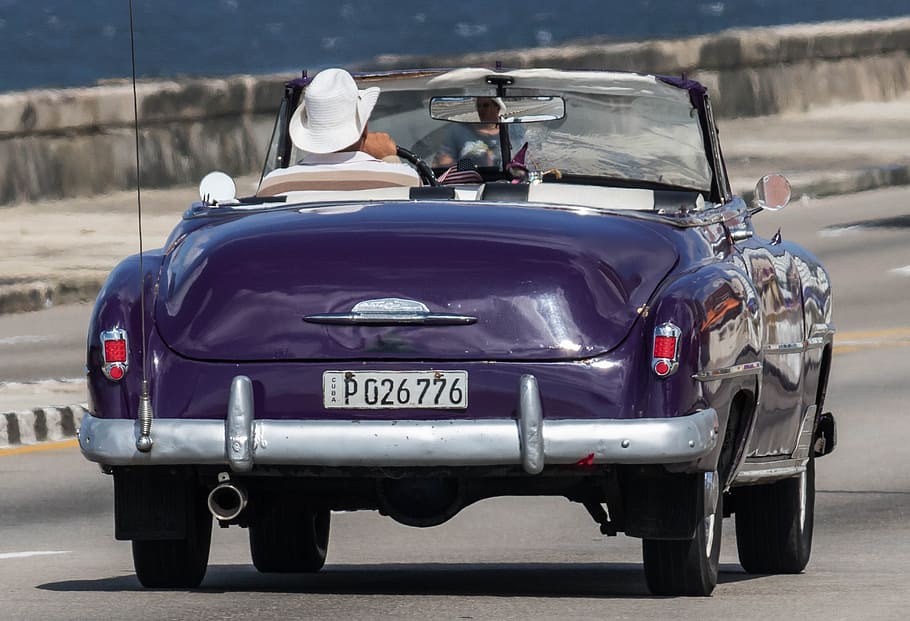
(60, 43)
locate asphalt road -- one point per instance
(44, 345)
(519, 558)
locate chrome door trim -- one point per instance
(737, 370)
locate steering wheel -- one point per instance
(423, 169)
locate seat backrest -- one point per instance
(332, 178)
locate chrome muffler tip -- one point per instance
(227, 501)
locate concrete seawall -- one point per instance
(77, 142)
(751, 72)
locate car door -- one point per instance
(772, 267)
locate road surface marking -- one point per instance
(25, 339)
(7, 555)
(837, 231)
(36, 448)
(44, 383)
(872, 339)
(902, 271)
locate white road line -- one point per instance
(44, 383)
(25, 339)
(902, 271)
(6, 555)
(838, 231)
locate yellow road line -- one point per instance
(846, 349)
(36, 448)
(846, 342)
(867, 334)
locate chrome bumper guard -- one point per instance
(241, 441)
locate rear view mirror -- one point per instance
(489, 109)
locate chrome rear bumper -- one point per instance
(240, 441)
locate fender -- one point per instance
(717, 312)
(118, 306)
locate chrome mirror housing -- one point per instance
(772, 192)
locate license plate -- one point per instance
(434, 390)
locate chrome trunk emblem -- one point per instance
(391, 312)
(390, 305)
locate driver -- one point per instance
(330, 126)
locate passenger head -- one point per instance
(334, 113)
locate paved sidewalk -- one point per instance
(58, 252)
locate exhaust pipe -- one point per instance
(227, 501)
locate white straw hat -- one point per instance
(333, 114)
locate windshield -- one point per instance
(599, 126)
(651, 134)
(638, 137)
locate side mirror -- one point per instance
(772, 192)
(217, 187)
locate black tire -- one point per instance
(289, 537)
(175, 563)
(687, 567)
(774, 524)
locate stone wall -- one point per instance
(750, 72)
(60, 143)
(76, 142)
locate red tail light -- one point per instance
(665, 353)
(665, 347)
(115, 352)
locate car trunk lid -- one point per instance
(410, 281)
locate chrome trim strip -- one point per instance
(806, 430)
(785, 348)
(795, 348)
(737, 370)
(817, 336)
(462, 442)
(530, 421)
(765, 472)
(391, 319)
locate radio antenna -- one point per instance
(144, 441)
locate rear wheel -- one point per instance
(175, 563)
(689, 567)
(774, 524)
(289, 537)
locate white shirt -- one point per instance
(348, 170)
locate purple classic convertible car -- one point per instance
(595, 319)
